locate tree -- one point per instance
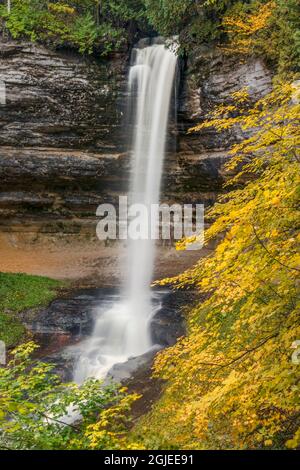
(87, 25)
(34, 404)
(266, 28)
(231, 382)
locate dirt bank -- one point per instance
(87, 263)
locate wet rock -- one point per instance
(122, 372)
(166, 327)
(74, 316)
(168, 323)
(69, 320)
(63, 362)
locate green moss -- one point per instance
(19, 292)
(86, 25)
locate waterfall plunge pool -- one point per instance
(64, 330)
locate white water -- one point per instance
(123, 330)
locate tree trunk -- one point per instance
(98, 12)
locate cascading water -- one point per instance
(123, 330)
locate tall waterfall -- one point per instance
(123, 331)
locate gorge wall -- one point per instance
(63, 139)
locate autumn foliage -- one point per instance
(231, 382)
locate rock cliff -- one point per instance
(63, 139)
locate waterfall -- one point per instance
(123, 331)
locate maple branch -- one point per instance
(269, 253)
(248, 292)
(58, 421)
(248, 351)
(6, 448)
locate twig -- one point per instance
(270, 254)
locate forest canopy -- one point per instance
(267, 28)
(87, 25)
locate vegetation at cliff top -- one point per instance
(87, 25)
(19, 292)
(270, 29)
(263, 27)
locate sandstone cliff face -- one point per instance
(208, 80)
(63, 139)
